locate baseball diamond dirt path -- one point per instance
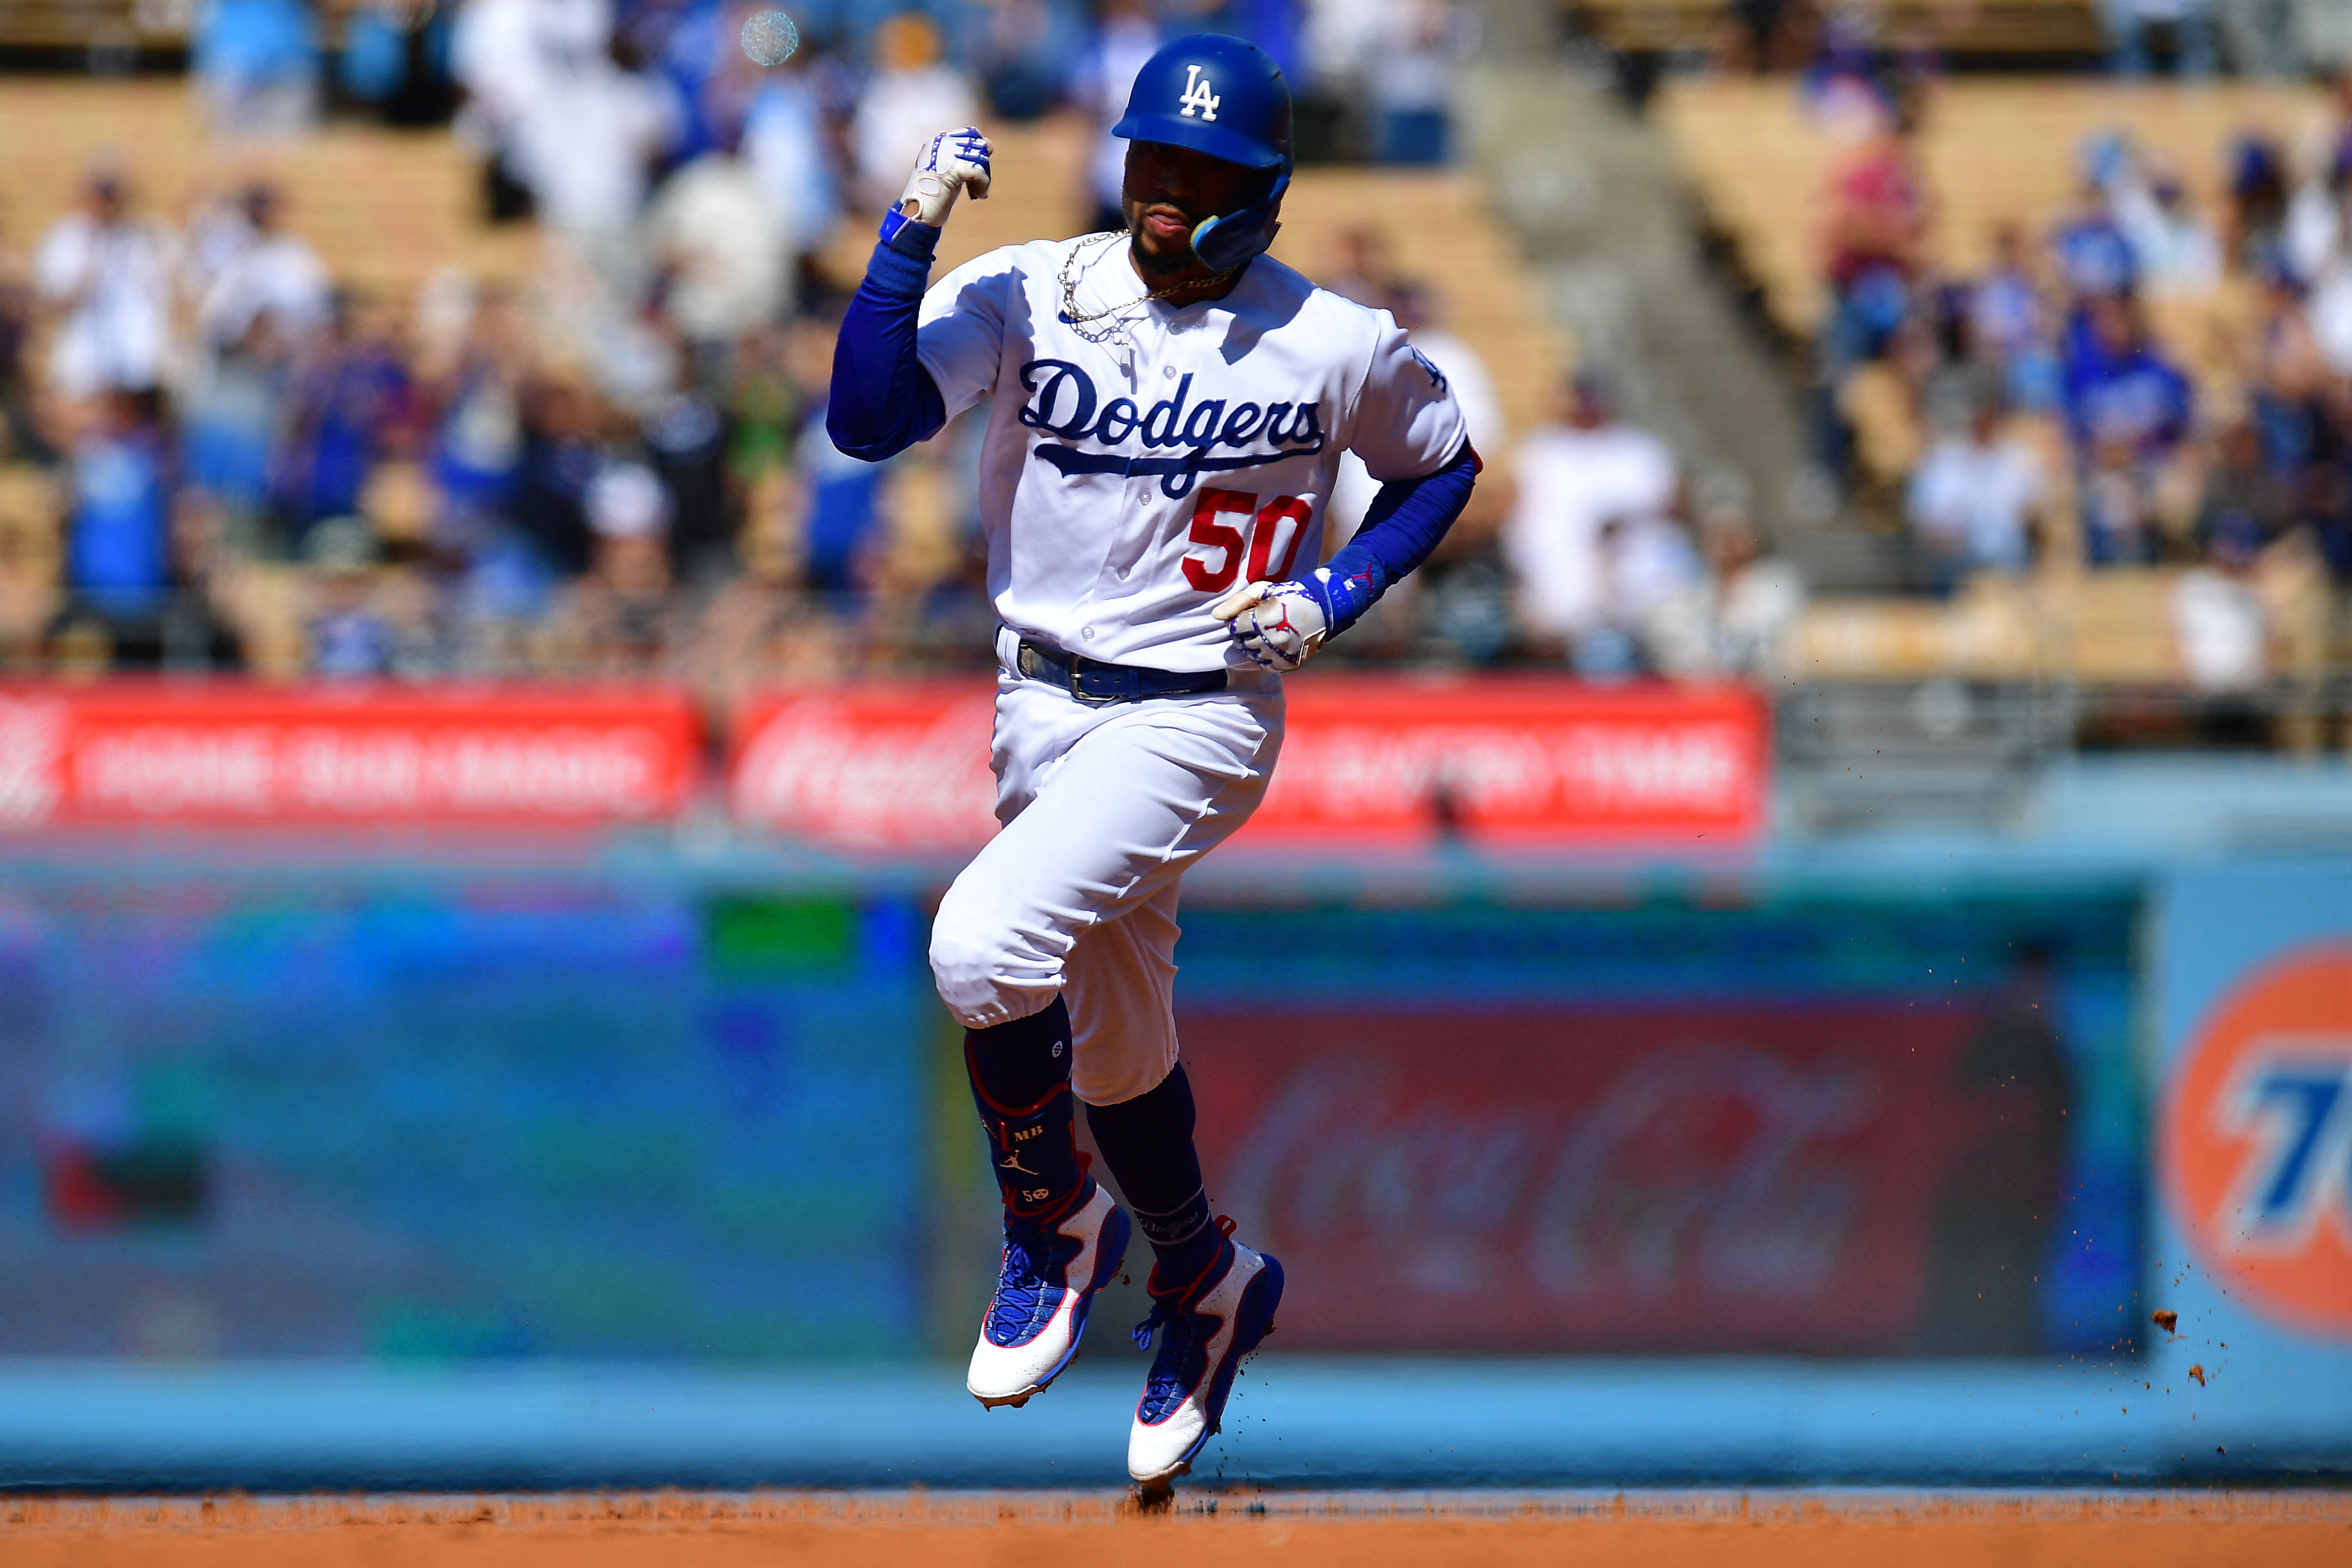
(1640, 1530)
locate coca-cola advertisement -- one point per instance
(1364, 759)
(230, 753)
(1664, 1178)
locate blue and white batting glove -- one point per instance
(949, 163)
(1278, 624)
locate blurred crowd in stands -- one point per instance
(215, 456)
(2150, 381)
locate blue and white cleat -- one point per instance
(1205, 1329)
(1049, 1275)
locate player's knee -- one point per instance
(967, 962)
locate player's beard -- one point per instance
(1161, 268)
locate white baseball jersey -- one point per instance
(1126, 489)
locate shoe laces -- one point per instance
(1021, 1283)
(1172, 1318)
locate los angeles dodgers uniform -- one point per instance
(1126, 485)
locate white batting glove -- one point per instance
(1278, 624)
(951, 163)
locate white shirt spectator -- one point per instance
(2179, 252)
(1972, 497)
(585, 150)
(277, 279)
(784, 141)
(899, 111)
(1573, 484)
(714, 225)
(512, 55)
(111, 281)
(2219, 627)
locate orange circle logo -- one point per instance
(2258, 1138)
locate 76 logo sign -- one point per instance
(1269, 540)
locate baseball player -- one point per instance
(1170, 408)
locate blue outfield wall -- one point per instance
(405, 1169)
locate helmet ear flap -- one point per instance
(1236, 238)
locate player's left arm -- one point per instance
(1407, 408)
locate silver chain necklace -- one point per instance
(1115, 316)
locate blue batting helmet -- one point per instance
(1216, 95)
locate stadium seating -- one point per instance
(386, 209)
(2040, 28)
(1996, 151)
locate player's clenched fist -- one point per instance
(950, 162)
(1279, 625)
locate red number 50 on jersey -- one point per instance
(1281, 521)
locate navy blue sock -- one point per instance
(1148, 1144)
(1021, 1081)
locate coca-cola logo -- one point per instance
(32, 758)
(915, 777)
(1708, 1169)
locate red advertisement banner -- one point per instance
(1809, 1176)
(206, 753)
(898, 766)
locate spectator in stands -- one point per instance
(2243, 490)
(2311, 239)
(2009, 325)
(117, 552)
(1125, 36)
(1731, 621)
(2128, 411)
(617, 620)
(719, 245)
(2094, 256)
(1976, 501)
(589, 140)
(475, 445)
(264, 291)
(2189, 22)
(1026, 52)
(347, 639)
(685, 440)
(2174, 250)
(199, 629)
(2260, 193)
(104, 279)
(563, 450)
(785, 141)
(912, 96)
(1874, 244)
(257, 65)
(1576, 476)
(20, 437)
(351, 399)
(259, 295)
(2223, 630)
(2261, 38)
(1410, 81)
(395, 56)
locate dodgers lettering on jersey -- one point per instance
(1125, 490)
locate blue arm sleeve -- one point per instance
(1406, 521)
(883, 400)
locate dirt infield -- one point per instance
(1645, 1530)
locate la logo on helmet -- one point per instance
(1197, 95)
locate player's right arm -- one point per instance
(883, 400)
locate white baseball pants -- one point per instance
(1103, 808)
